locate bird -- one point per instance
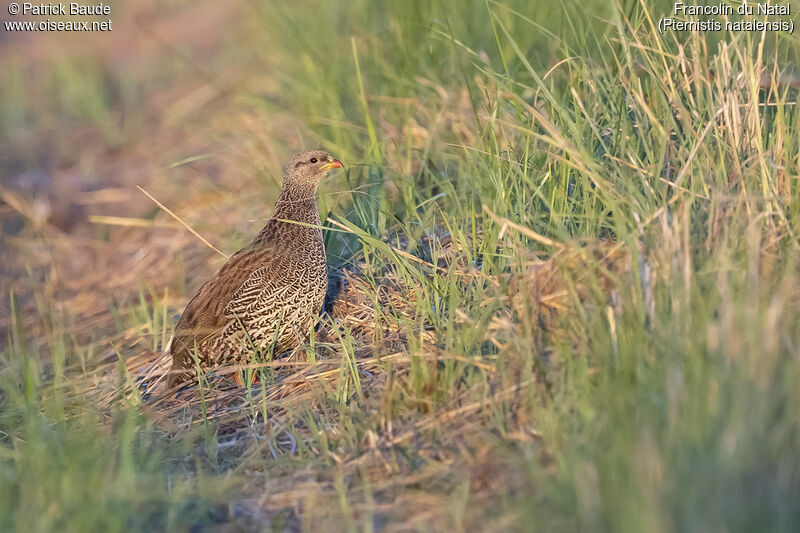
(269, 294)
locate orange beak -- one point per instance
(333, 164)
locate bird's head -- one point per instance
(306, 170)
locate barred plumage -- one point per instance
(269, 294)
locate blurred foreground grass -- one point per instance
(573, 245)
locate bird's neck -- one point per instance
(294, 205)
(298, 204)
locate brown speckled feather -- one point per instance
(269, 294)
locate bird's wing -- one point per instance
(208, 311)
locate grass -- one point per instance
(569, 247)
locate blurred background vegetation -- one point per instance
(570, 245)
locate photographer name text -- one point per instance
(52, 11)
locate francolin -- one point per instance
(267, 297)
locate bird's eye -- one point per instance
(313, 159)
